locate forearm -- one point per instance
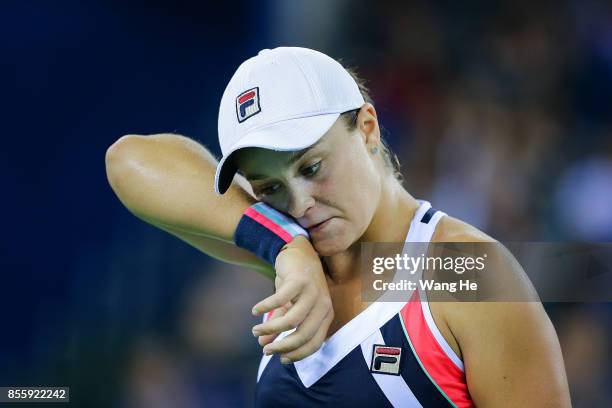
(167, 180)
(225, 252)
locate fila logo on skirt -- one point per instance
(247, 104)
(386, 359)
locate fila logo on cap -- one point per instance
(247, 104)
(386, 359)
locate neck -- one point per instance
(390, 223)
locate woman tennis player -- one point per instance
(314, 181)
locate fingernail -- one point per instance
(256, 333)
(254, 312)
(266, 351)
(285, 360)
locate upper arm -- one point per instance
(512, 356)
(169, 179)
(510, 350)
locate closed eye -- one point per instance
(268, 190)
(311, 170)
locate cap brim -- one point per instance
(288, 135)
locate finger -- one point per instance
(315, 321)
(311, 346)
(294, 317)
(284, 295)
(276, 313)
(267, 339)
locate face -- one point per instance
(332, 188)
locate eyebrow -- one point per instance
(295, 157)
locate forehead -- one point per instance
(257, 160)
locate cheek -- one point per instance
(354, 188)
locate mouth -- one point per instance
(320, 226)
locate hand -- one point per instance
(301, 301)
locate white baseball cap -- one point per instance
(283, 99)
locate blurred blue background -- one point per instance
(500, 113)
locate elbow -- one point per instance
(118, 157)
(117, 151)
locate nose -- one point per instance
(300, 200)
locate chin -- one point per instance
(329, 247)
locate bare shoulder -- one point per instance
(451, 229)
(458, 321)
(503, 276)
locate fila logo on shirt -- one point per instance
(386, 359)
(247, 104)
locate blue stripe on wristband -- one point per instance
(286, 223)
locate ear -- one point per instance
(367, 124)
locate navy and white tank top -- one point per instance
(392, 354)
